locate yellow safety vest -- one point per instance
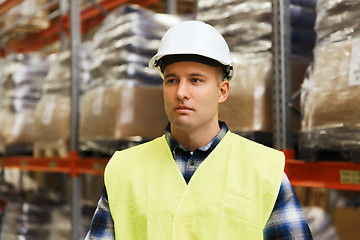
(230, 196)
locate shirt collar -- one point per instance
(173, 144)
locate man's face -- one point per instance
(192, 92)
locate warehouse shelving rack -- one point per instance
(325, 174)
(73, 24)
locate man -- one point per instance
(198, 181)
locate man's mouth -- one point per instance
(183, 109)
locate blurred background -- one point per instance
(75, 87)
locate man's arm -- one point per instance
(287, 220)
(102, 225)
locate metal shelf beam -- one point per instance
(73, 165)
(325, 174)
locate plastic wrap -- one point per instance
(52, 126)
(129, 36)
(27, 8)
(330, 93)
(247, 28)
(337, 20)
(25, 221)
(52, 115)
(22, 79)
(121, 112)
(330, 102)
(44, 218)
(248, 107)
(124, 101)
(245, 25)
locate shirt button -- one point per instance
(192, 163)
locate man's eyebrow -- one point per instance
(191, 75)
(170, 75)
(196, 75)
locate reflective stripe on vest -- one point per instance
(230, 196)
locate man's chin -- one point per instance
(183, 124)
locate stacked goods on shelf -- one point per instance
(247, 27)
(123, 101)
(248, 106)
(330, 94)
(52, 115)
(303, 36)
(34, 18)
(22, 79)
(25, 221)
(41, 214)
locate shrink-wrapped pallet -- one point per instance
(124, 98)
(247, 28)
(330, 93)
(122, 112)
(52, 126)
(52, 115)
(330, 98)
(22, 79)
(248, 107)
(127, 39)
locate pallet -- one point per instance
(51, 149)
(317, 155)
(105, 148)
(25, 149)
(333, 144)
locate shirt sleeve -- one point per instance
(287, 220)
(102, 224)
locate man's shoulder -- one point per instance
(250, 144)
(131, 153)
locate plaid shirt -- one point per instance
(286, 221)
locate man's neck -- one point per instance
(193, 139)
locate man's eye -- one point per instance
(196, 80)
(170, 81)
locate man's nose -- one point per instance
(182, 91)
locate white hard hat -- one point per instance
(194, 38)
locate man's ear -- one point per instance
(224, 88)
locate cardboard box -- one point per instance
(249, 105)
(329, 100)
(347, 221)
(122, 112)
